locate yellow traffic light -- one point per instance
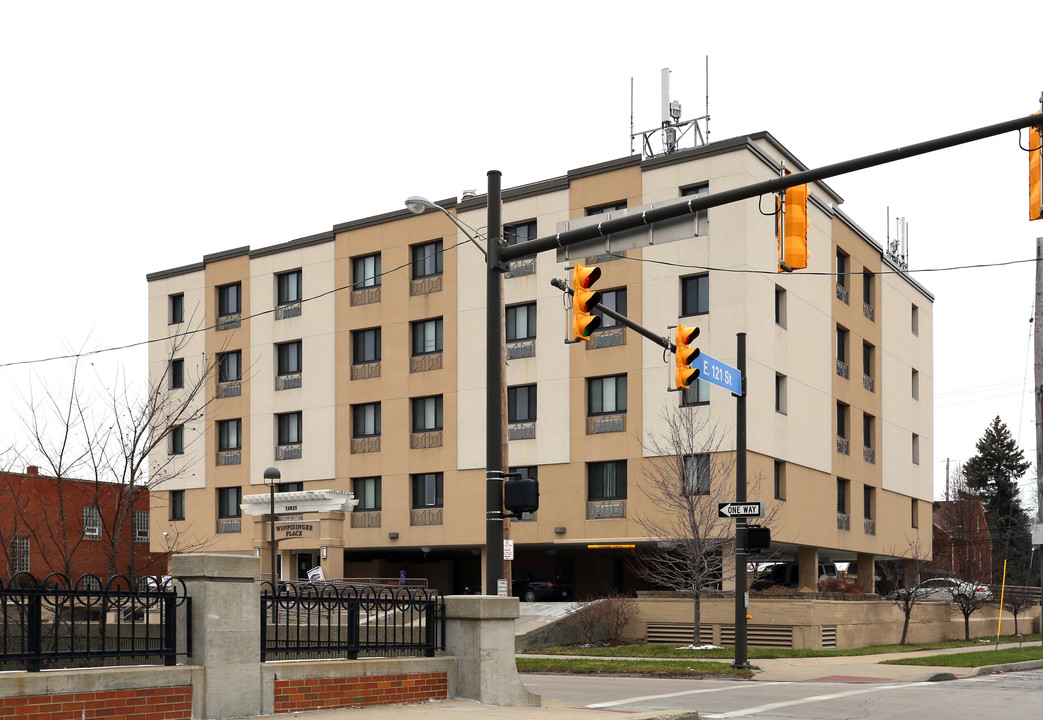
(793, 247)
(1035, 173)
(583, 300)
(685, 374)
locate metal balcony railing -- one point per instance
(290, 451)
(868, 311)
(228, 457)
(868, 383)
(521, 431)
(365, 371)
(842, 369)
(365, 296)
(603, 509)
(843, 521)
(843, 445)
(424, 440)
(425, 516)
(288, 381)
(606, 424)
(424, 363)
(869, 454)
(517, 349)
(290, 310)
(842, 294)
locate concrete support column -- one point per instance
(866, 573)
(226, 629)
(807, 563)
(480, 634)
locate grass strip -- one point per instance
(645, 668)
(642, 650)
(975, 659)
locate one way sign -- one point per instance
(740, 510)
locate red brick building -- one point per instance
(962, 544)
(74, 527)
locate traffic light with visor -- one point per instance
(793, 242)
(685, 355)
(583, 301)
(1035, 173)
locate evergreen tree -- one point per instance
(994, 473)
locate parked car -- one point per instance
(533, 586)
(788, 575)
(945, 589)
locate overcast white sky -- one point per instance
(136, 137)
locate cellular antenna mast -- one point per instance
(672, 131)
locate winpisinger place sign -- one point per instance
(296, 529)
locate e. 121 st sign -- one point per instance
(720, 374)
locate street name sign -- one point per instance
(717, 373)
(740, 510)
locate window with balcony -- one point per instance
(365, 277)
(177, 504)
(177, 373)
(229, 441)
(696, 474)
(229, 374)
(289, 360)
(520, 330)
(426, 260)
(869, 509)
(843, 443)
(701, 217)
(176, 304)
(229, 500)
(426, 499)
(519, 233)
(365, 354)
(426, 422)
(288, 294)
(868, 453)
(868, 375)
(229, 306)
(611, 333)
(606, 404)
(367, 492)
(695, 295)
(176, 441)
(365, 427)
(521, 412)
(842, 269)
(606, 489)
(426, 345)
(867, 295)
(289, 435)
(843, 504)
(843, 370)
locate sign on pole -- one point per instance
(740, 510)
(508, 549)
(720, 374)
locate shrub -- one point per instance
(838, 585)
(603, 617)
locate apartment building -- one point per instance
(353, 362)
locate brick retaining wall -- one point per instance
(301, 694)
(160, 703)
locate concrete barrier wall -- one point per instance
(858, 623)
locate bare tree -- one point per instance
(685, 477)
(967, 597)
(904, 576)
(108, 439)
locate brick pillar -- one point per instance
(480, 634)
(866, 572)
(226, 629)
(807, 567)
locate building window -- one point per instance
(607, 395)
(288, 287)
(427, 336)
(229, 434)
(520, 322)
(365, 271)
(365, 420)
(427, 259)
(519, 232)
(613, 300)
(867, 502)
(843, 443)
(521, 404)
(695, 295)
(780, 306)
(698, 393)
(842, 262)
(780, 480)
(91, 522)
(365, 346)
(913, 518)
(289, 357)
(867, 294)
(916, 449)
(230, 366)
(427, 414)
(915, 382)
(289, 487)
(177, 504)
(526, 472)
(229, 300)
(701, 217)
(176, 444)
(696, 474)
(867, 361)
(868, 453)
(228, 501)
(843, 369)
(607, 480)
(780, 394)
(915, 320)
(177, 308)
(141, 529)
(290, 428)
(19, 555)
(177, 373)
(843, 501)
(427, 490)
(607, 208)
(367, 492)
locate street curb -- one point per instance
(1008, 667)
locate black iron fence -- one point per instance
(326, 620)
(54, 623)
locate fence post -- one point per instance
(226, 629)
(35, 626)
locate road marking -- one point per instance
(815, 698)
(643, 698)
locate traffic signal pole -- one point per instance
(494, 376)
(741, 591)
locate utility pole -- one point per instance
(494, 376)
(741, 591)
(1038, 376)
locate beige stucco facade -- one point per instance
(796, 351)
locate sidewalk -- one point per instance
(449, 709)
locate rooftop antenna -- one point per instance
(672, 128)
(898, 248)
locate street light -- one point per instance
(271, 479)
(417, 205)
